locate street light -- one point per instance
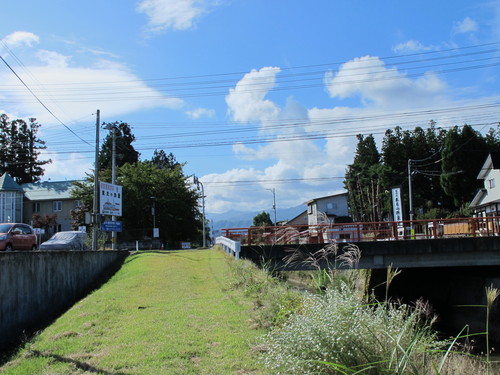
(197, 182)
(274, 203)
(153, 209)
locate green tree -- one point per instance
(463, 155)
(161, 160)
(20, 149)
(125, 151)
(365, 181)
(176, 205)
(262, 220)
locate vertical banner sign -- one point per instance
(110, 199)
(396, 205)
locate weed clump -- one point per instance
(338, 330)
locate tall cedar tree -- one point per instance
(463, 155)
(161, 160)
(125, 152)
(364, 182)
(20, 149)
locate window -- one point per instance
(57, 205)
(36, 207)
(78, 204)
(491, 183)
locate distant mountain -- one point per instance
(244, 219)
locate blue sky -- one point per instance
(251, 94)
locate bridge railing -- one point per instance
(230, 246)
(367, 231)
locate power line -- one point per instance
(39, 101)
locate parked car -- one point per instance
(17, 236)
(69, 240)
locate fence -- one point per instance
(367, 231)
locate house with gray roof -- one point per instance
(18, 203)
(49, 198)
(487, 200)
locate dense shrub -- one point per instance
(339, 329)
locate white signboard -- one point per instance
(397, 208)
(110, 199)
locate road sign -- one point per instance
(110, 199)
(111, 226)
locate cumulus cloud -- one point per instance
(172, 14)
(467, 25)
(377, 85)
(246, 101)
(20, 38)
(201, 112)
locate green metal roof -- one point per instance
(7, 183)
(48, 190)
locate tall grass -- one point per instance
(336, 331)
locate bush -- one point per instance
(336, 330)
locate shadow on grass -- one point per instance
(80, 365)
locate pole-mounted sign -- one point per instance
(110, 199)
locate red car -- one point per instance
(14, 236)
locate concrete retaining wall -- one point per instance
(35, 287)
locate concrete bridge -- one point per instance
(404, 244)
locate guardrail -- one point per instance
(367, 231)
(230, 246)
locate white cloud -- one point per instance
(413, 46)
(54, 59)
(379, 86)
(201, 112)
(246, 101)
(75, 92)
(172, 14)
(468, 25)
(20, 38)
(65, 167)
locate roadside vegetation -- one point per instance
(335, 327)
(202, 312)
(162, 313)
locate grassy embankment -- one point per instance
(162, 313)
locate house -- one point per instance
(487, 200)
(49, 198)
(300, 219)
(18, 202)
(329, 209)
(11, 200)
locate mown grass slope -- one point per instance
(162, 313)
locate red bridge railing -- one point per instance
(367, 231)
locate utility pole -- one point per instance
(112, 128)
(96, 183)
(198, 183)
(410, 199)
